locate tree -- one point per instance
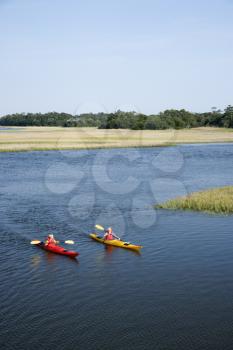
(228, 117)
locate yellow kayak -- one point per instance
(116, 243)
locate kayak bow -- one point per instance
(57, 250)
(116, 243)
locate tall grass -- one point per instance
(55, 138)
(219, 200)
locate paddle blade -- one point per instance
(69, 242)
(35, 242)
(99, 227)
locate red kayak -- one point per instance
(58, 250)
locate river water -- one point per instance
(176, 294)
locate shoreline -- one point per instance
(30, 139)
(52, 149)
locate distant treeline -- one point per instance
(169, 119)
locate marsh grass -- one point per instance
(57, 138)
(219, 201)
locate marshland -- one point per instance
(60, 138)
(217, 200)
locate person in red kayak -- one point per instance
(50, 240)
(109, 235)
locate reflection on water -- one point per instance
(109, 249)
(35, 261)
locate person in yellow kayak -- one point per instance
(109, 235)
(50, 240)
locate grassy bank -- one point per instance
(219, 200)
(57, 138)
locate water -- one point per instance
(6, 129)
(176, 295)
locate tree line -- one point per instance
(168, 119)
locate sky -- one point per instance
(102, 55)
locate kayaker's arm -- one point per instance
(105, 235)
(116, 236)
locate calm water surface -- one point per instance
(176, 295)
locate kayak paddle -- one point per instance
(99, 227)
(38, 242)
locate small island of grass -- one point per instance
(217, 200)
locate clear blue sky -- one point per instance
(92, 55)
